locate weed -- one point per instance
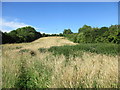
(78, 66)
(27, 77)
(42, 50)
(32, 53)
(18, 47)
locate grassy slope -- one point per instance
(24, 66)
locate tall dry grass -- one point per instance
(44, 70)
(88, 71)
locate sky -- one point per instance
(54, 17)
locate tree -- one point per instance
(60, 34)
(114, 34)
(87, 34)
(24, 34)
(6, 38)
(84, 28)
(67, 31)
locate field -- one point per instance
(55, 62)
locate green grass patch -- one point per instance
(44, 74)
(27, 77)
(99, 48)
(19, 47)
(42, 50)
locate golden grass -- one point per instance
(88, 70)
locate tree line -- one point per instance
(24, 34)
(87, 34)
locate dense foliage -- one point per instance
(87, 34)
(99, 48)
(67, 31)
(47, 35)
(24, 34)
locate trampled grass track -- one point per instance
(44, 70)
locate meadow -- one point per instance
(55, 62)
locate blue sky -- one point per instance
(54, 17)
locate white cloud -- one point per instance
(7, 26)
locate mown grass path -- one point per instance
(45, 42)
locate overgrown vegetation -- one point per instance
(26, 78)
(24, 34)
(91, 62)
(87, 34)
(33, 74)
(59, 66)
(99, 48)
